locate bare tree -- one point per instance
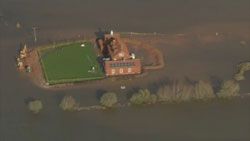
(203, 90)
(176, 92)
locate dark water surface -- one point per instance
(61, 19)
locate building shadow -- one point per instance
(100, 36)
(101, 62)
(100, 33)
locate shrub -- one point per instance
(239, 76)
(69, 104)
(203, 91)
(242, 68)
(143, 97)
(108, 99)
(35, 106)
(176, 92)
(229, 89)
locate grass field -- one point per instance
(70, 63)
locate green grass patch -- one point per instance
(70, 62)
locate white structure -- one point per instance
(111, 32)
(132, 55)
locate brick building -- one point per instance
(118, 60)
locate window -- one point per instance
(129, 70)
(113, 71)
(125, 64)
(121, 70)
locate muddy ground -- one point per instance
(151, 58)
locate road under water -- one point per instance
(59, 20)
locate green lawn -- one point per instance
(70, 63)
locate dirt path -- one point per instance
(37, 75)
(151, 52)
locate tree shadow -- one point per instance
(28, 100)
(215, 82)
(189, 80)
(99, 93)
(59, 97)
(160, 83)
(131, 92)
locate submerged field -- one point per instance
(70, 63)
(218, 120)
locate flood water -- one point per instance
(57, 20)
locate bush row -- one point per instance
(175, 92)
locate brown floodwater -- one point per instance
(59, 20)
